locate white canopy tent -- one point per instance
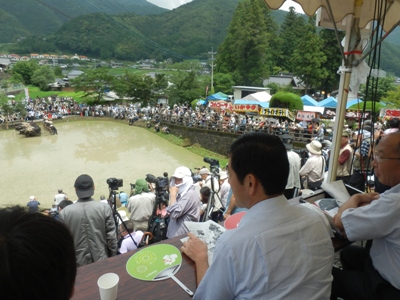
(259, 96)
(352, 15)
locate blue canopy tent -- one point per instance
(307, 100)
(352, 102)
(328, 102)
(202, 102)
(217, 96)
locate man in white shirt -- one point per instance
(279, 250)
(225, 187)
(293, 183)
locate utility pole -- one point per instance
(212, 53)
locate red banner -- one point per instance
(389, 113)
(306, 115)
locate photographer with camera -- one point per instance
(141, 205)
(91, 223)
(183, 202)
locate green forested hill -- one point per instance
(189, 31)
(43, 17)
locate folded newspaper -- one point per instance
(208, 232)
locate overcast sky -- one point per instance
(171, 4)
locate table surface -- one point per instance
(131, 288)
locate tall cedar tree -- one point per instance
(308, 59)
(244, 52)
(291, 34)
(330, 48)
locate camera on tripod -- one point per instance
(214, 164)
(114, 183)
(162, 186)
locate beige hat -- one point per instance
(204, 171)
(223, 175)
(182, 172)
(314, 147)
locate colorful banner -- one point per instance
(244, 108)
(220, 104)
(306, 115)
(277, 112)
(389, 113)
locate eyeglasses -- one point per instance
(379, 158)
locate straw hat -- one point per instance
(314, 147)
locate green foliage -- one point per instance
(330, 49)
(286, 100)
(392, 98)
(93, 83)
(42, 76)
(22, 71)
(292, 36)
(244, 52)
(193, 104)
(275, 88)
(377, 88)
(369, 105)
(308, 60)
(223, 83)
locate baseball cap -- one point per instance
(84, 186)
(345, 133)
(182, 172)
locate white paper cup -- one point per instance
(108, 286)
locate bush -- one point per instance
(286, 100)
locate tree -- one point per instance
(291, 34)
(244, 51)
(331, 50)
(93, 83)
(136, 86)
(308, 59)
(223, 83)
(392, 98)
(186, 84)
(42, 77)
(286, 100)
(22, 71)
(377, 88)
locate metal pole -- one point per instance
(341, 106)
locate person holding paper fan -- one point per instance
(372, 273)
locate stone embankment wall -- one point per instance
(215, 141)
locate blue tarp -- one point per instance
(352, 102)
(307, 100)
(217, 96)
(202, 102)
(328, 102)
(262, 104)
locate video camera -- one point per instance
(114, 183)
(162, 186)
(214, 164)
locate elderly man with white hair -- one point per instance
(183, 202)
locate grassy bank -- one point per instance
(195, 148)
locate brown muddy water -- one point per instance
(39, 166)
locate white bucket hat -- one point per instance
(314, 147)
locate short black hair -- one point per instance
(37, 256)
(265, 157)
(63, 204)
(394, 123)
